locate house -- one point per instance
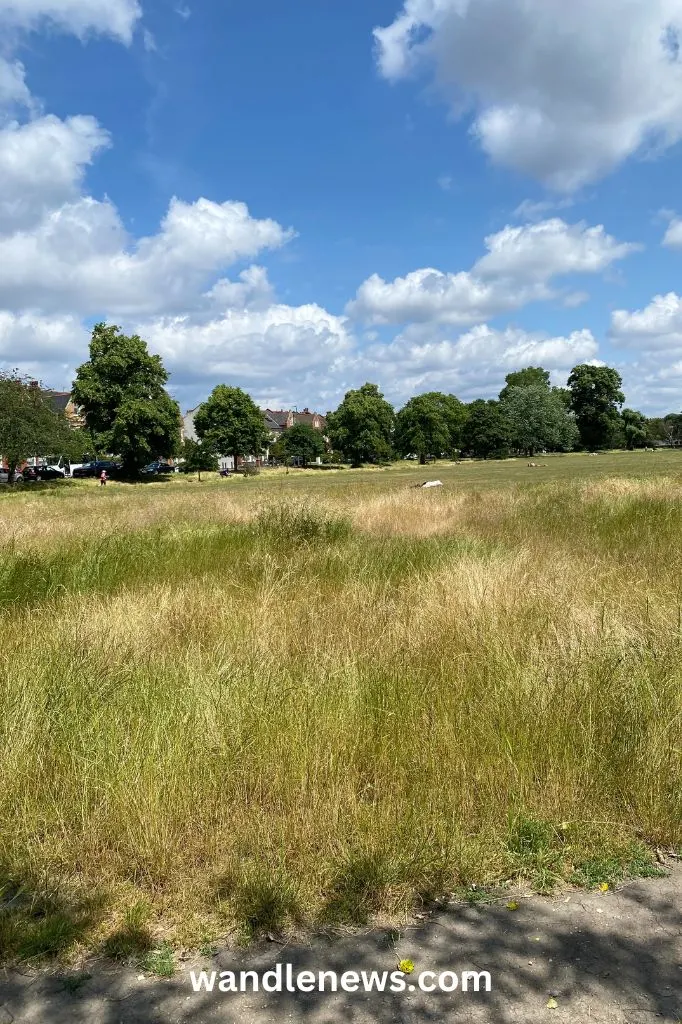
(187, 429)
(276, 422)
(61, 401)
(311, 419)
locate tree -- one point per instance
(538, 420)
(595, 397)
(532, 376)
(28, 423)
(635, 428)
(127, 409)
(486, 432)
(362, 426)
(429, 424)
(199, 457)
(666, 428)
(231, 423)
(302, 442)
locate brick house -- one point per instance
(276, 422)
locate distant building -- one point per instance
(61, 401)
(187, 430)
(276, 422)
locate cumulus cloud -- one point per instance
(656, 327)
(32, 337)
(561, 91)
(14, 91)
(673, 235)
(475, 363)
(517, 269)
(42, 164)
(278, 350)
(111, 17)
(79, 258)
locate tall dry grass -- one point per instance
(275, 712)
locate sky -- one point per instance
(298, 198)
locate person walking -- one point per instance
(103, 478)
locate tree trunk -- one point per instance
(11, 467)
(422, 460)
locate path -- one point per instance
(604, 958)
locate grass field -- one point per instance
(319, 698)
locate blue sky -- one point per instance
(300, 198)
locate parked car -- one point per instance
(42, 473)
(93, 469)
(4, 476)
(159, 468)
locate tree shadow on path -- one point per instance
(612, 957)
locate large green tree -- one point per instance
(29, 424)
(531, 376)
(362, 426)
(666, 428)
(199, 457)
(595, 399)
(231, 423)
(302, 442)
(429, 425)
(538, 420)
(635, 428)
(486, 432)
(121, 390)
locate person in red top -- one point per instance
(103, 478)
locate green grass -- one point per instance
(232, 708)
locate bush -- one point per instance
(301, 524)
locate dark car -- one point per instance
(42, 473)
(157, 468)
(94, 469)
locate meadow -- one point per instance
(319, 699)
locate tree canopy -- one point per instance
(199, 457)
(121, 390)
(231, 423)
(538, 420)
(301, 441)
(429, 425)
(362, 426)
(531, 376)
(635, 428)
(29, 424)
(595, 397)
(486, 432)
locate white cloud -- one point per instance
(656, 327)
(42, 164)
(475, 363)
(445, 182)
(29, 338)
(673, 236)
(278, 350)
(79, 258)
(252, 291)
(561, 91)
(517, 268)
(13, 89)
(110, 17)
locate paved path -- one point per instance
(611, 958)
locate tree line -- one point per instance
(128, 413)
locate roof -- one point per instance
(59, 400)
(308, 418)
(270, 422)
(278, 416)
